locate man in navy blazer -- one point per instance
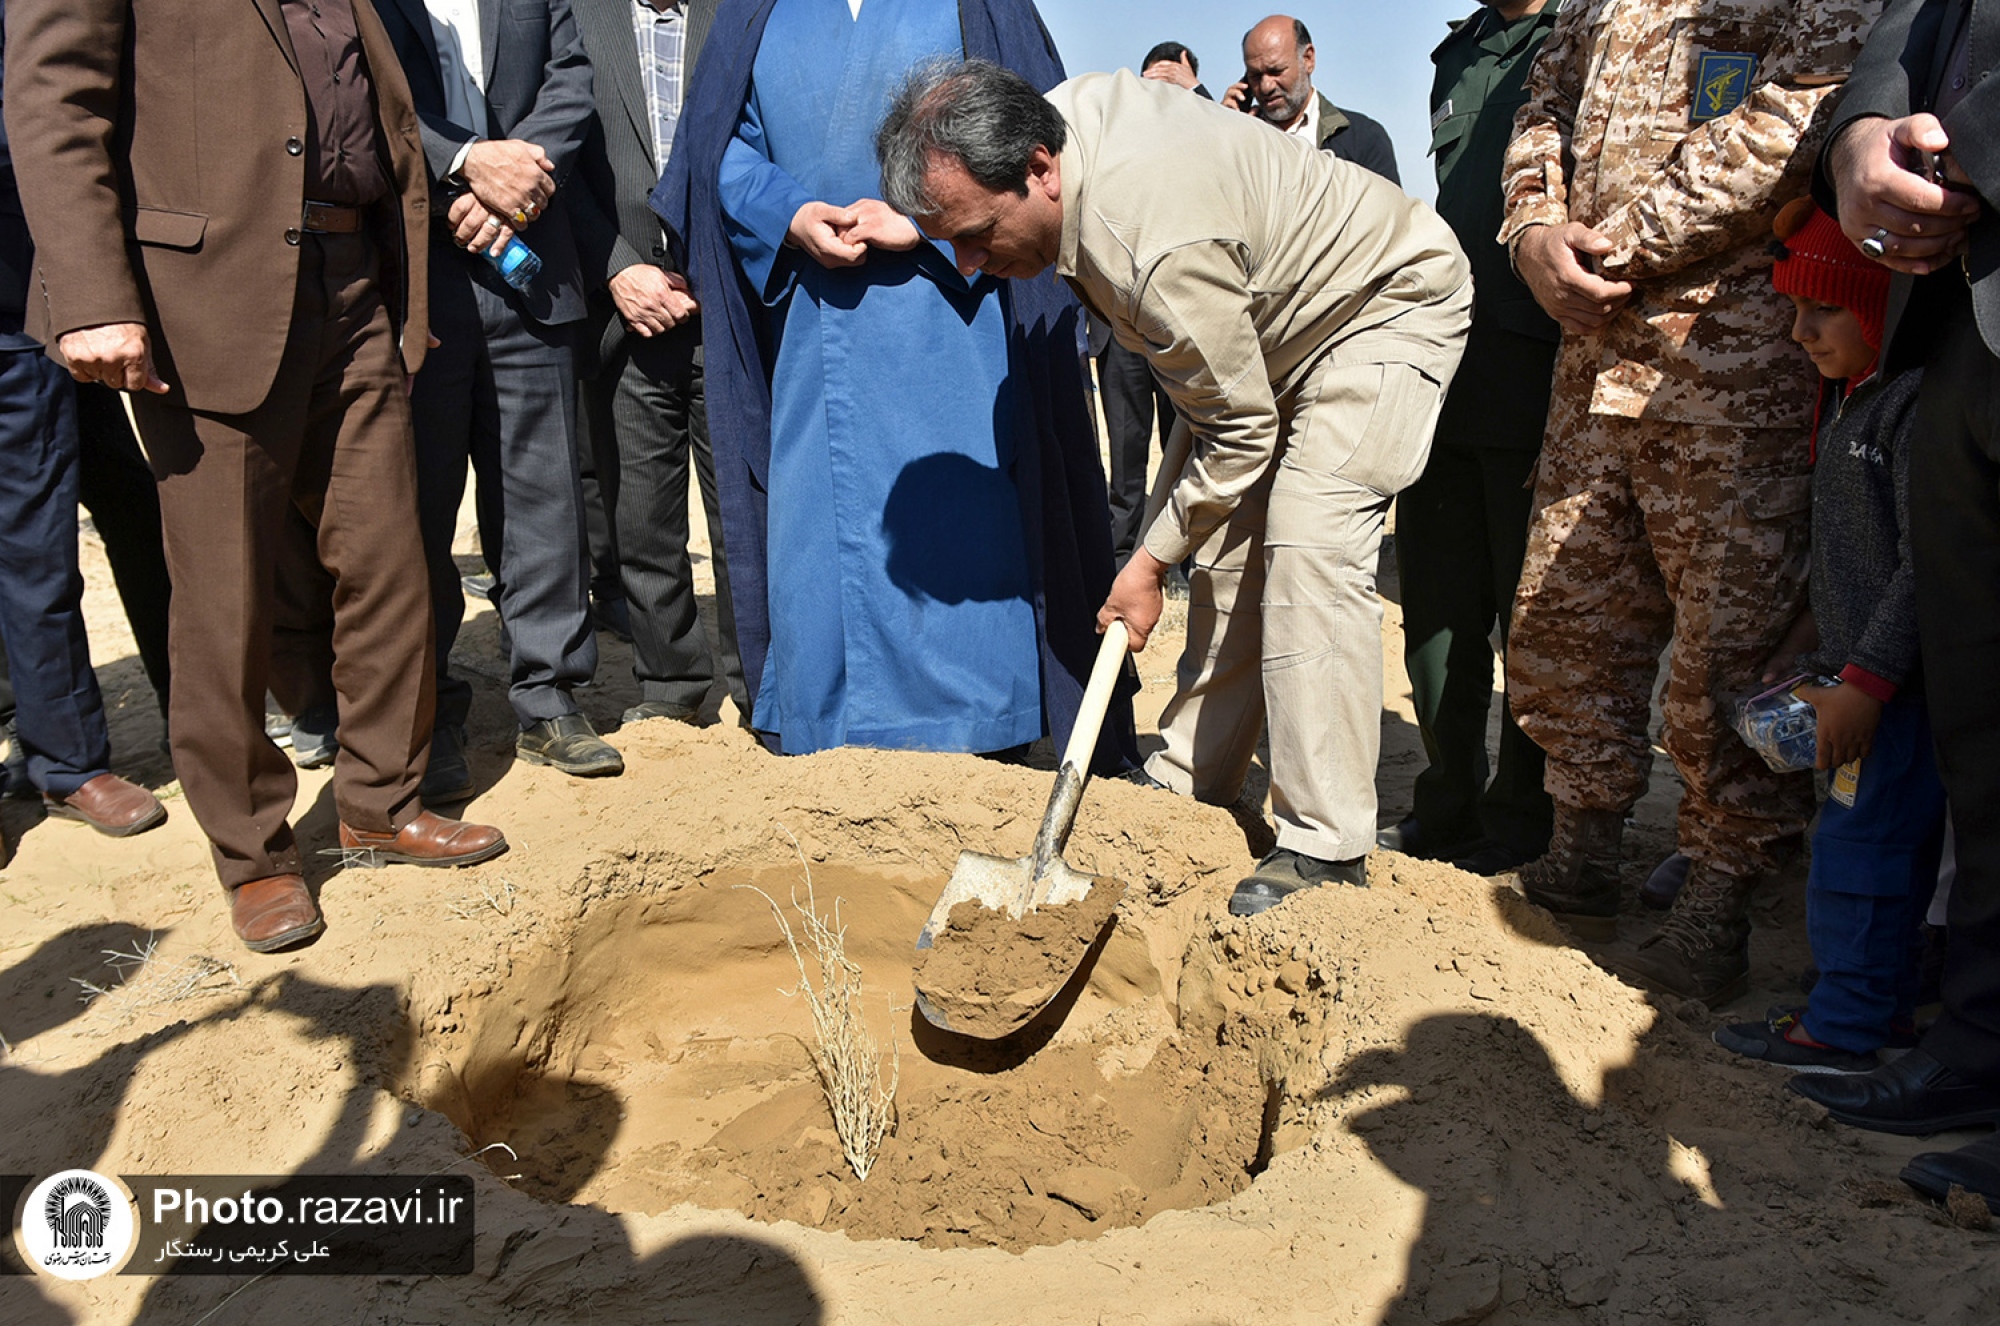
(59, 712)
(503, 97)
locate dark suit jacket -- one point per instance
(1352, 136)
(157, 167)
(538, 90)
(615, 228)
(1898, 74)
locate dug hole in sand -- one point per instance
(1410, 1103)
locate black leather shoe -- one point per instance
(1911, 1096)
(448, 777)
(1974, 1167)
(1491, 858)
(1283, 873)
(570, 744)
(646, 709)
(1409, 837)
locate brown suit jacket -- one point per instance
(172, 197)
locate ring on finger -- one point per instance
(492, 223)
(1877, 244)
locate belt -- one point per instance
(328, 219)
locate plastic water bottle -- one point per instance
(1780, 726)
(517, 264)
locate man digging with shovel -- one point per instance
(1305, 317)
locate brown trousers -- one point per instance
(331, 443)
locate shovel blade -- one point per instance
(989, 988)
(995, 882)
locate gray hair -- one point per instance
(989, 119)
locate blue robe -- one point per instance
(1057, 474)
(899, 594)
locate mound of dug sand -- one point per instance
(1412, 1102)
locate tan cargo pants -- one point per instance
(1283, 619)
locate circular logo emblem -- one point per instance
(78, 1225)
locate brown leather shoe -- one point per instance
(428, 840)
(275, 913)
(109, 804)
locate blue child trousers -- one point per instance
(1874, 868)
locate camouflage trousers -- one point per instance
(1648, 533)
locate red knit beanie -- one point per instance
(1817, 261)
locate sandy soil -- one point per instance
(1413, 1103)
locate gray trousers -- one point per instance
(500, 391)
(647, 421)
(1283, 618)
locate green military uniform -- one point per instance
(1461, 529)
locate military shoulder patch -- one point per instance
(1721, 81)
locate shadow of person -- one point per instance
(569, 1133)
(954, 531)
(728, 1277)
(61, 1119)
(1520, 1177)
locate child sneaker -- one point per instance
(1782, 1040)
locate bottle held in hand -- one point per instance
(517, 264)
(1780, 726)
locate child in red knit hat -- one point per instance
(1875, 850)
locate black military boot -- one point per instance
(1702, 948)
(1577, 879)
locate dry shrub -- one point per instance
(845, 1054)
(145, 981)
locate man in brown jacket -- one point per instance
(232, 214)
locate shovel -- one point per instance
(987, 973)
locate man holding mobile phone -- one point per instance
(1277, 87)
(1911, 166)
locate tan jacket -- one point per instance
(1233, 258)
(161, 177)
(1678, 128)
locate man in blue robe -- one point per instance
(904, 456)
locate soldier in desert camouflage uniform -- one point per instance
(1658, 140)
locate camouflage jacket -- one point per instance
(1677, 129)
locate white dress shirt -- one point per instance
(461, 62)
(1307, 125)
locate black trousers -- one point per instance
(1955, 529)
(1132, 399)
(1461, 532)
(500, 392)
(116, 485)
(647, 419)
(600, 543)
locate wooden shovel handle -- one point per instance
(1097, 696)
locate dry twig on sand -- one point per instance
(846, 1055)
(145, 982)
